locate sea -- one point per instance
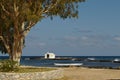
(87, 61)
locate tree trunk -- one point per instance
(16, 57)
(16, 52)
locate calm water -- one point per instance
(88, 61)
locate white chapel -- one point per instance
(49, 55)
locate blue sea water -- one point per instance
(88, 61)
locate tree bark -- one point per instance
(16, 52)
(16, 57)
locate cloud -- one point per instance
(78, 30)
(98, 41)
(42, 44)
(76, 42)
(84, 38)
(117, 38)
(34, 44)
(71, 38)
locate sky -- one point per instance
(95, 33)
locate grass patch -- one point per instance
(26, 70)
(29, 70)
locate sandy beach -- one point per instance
(91, 74)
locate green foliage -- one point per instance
(8, 66)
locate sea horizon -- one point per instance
(87, 61)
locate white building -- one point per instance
(49, 55)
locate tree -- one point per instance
(17, 17)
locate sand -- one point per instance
(91, 74)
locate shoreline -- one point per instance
(87, 61)
(85, 73)
(62, 67)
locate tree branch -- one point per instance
(30, 24)
(26, 31)
(1, 38)
(45, 10)
(26, 28)
(5, 44)
(3, 8)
